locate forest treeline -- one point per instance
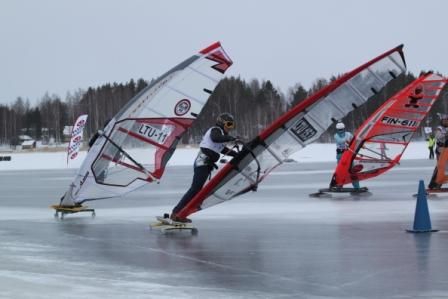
(254, 105)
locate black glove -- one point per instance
(232, 153)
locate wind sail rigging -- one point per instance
(76, 137)
(135, 146)
(295, 129)
(381, 140)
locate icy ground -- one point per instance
(274, 243)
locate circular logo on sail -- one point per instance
(182, 107)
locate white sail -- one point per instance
(151, 123)
(295, 129)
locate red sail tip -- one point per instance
(210, 48)
(215, 53)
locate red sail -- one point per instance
(380, 141)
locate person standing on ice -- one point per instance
(343, 139)
(431, 143)
(212, 145)
(440, 139)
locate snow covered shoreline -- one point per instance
(316, 152)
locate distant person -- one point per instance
(431, 144)
(343, 139)
(440, 136)
(212, 145)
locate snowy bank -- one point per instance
(316, 152)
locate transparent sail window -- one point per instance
(380, 151)
(114, 168)
(248, 174)
(401, 137)
(130, 153)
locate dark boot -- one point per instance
(176, 218)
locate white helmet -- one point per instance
(340, 126)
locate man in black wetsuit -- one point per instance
(212, 145)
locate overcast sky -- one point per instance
(58, 46)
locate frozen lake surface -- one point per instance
(274, 243)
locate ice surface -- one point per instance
(274, 243)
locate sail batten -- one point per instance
(203, 74)
(186, 95)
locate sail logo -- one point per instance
(223, 62)
(399, 121)
(182, 107)
(84, 179)
(303, 130)
(155, 134)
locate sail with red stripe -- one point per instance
(300, 126)
(137, 143)
(380, 142)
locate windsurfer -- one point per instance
(343, 139)
(212, 145)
